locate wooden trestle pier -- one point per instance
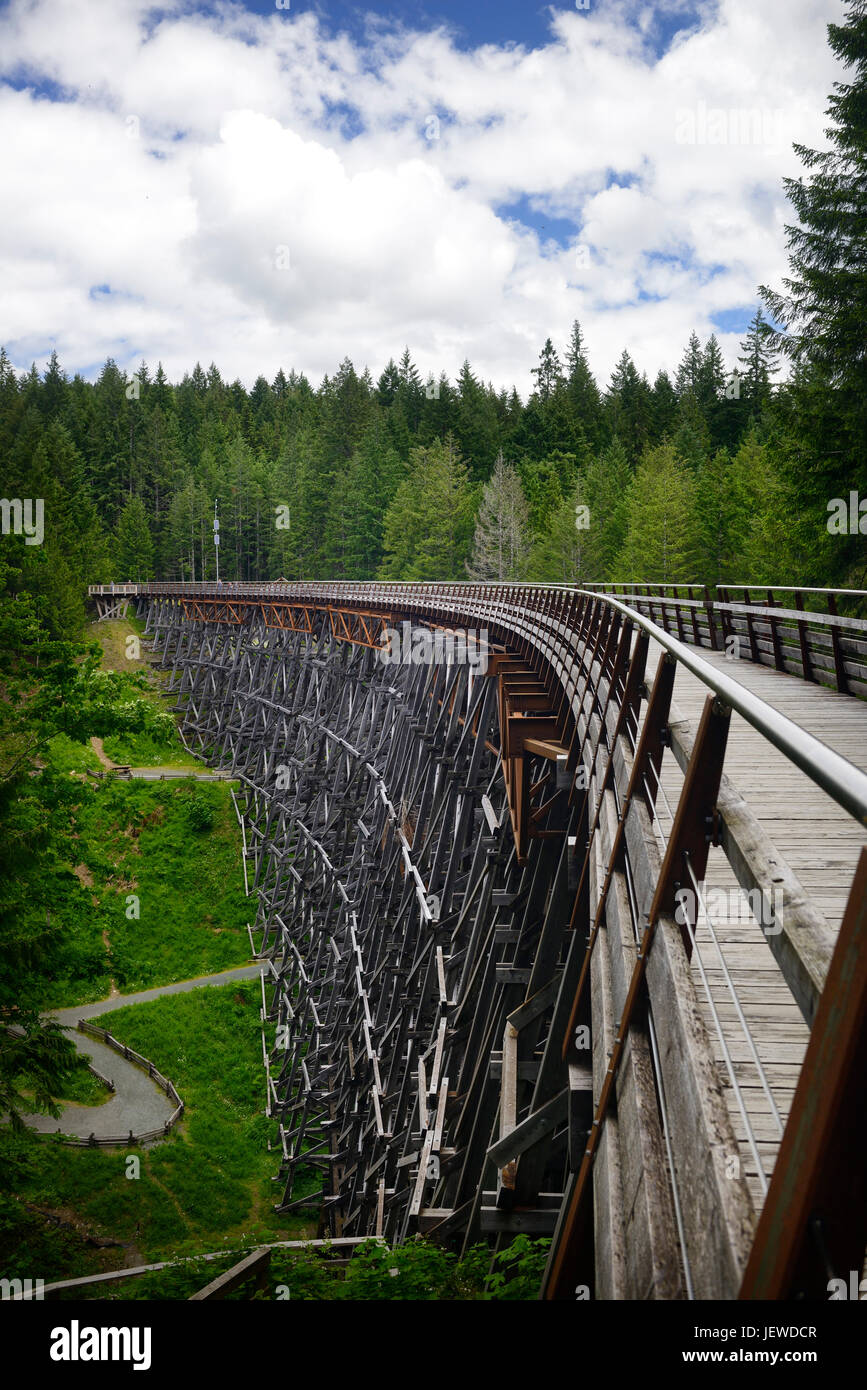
(564, 931)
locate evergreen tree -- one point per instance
(718, 551)
(107, 449)
(370, 482)
(501, 544)
(346, 406)
(689, 372)
(561, 554)
(607, 483)
(549, 373)
(661, 536)
(388, 384)
(10, 405)
(628, 406)
(759, 363)
(52, 397)
(307, 478)
(428, 527)
(581, 386)
(476, 424)
(769, 540)
(410, 391)
(542, 483)
(663, 408)
(134, 553)
(711, 391)
(712, 375)
(823, 308)
(692, 437)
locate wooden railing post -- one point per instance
(751, 634)
(775, 635)
(839, 667)
(803, 640)
(711, 625)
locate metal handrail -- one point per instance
(793, 589)
(841, 780)
(593, 586)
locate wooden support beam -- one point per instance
(252, 1269)
(530, 1130)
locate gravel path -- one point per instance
(138, 1103)
(158, 773)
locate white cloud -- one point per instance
(238, 150)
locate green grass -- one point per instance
(168, 851)
(113, 636)
(139, 840)
(146, 750)
(137, 749)
(81, 1087)
(206, 1187)
(134, 882)
(419, 1271)
(66, 755)
(139, 882)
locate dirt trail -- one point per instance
(96, 745)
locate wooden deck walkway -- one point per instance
(819, 842)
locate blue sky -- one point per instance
(263, 186)
(498, 22)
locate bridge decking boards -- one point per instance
(491, 1015)
(820, 843)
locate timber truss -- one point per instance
(479, 1010)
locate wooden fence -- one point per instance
(130, 1139)
(800, 631)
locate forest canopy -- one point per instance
(717, 474)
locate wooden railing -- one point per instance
(798, 630)
(131, 1138)
(817, 634)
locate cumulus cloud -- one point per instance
(264, 192)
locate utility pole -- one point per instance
(217, 538)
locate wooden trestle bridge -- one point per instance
(562, 910)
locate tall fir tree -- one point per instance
(561, 554)
(428, 526)
(501, 543)
(607, 483)
(661, 535)
(581, 385)
(759, 363)
(629, 402)
(134, 552)
(549, 373)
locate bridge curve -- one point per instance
(543, 915)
